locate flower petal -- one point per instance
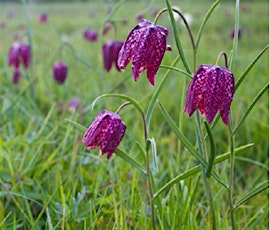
(228, 86)
(127, 49)
(196, 89)
(213, 92)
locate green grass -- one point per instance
(48, 180)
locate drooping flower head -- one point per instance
(239, 33)
(43, 18)
(145, 45)
(73, 104)
(110, 54)
(107, 27)
(90, 35)
(211, 90)
(19, 53)
(60, 71)
(106, 132)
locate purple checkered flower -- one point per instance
(60, 71)
(19, 53)
(211, 90)
(145, 45)
(43, 18)
(106, 132)
(110, 54)
(239, 33)
(90, 35)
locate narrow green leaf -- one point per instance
(235, 39)
(259, 188)
(177, 69)
(246, 71)
(153, 100)
(154, 153)
(186, 142)
(177, 38)
(181, 136)
(129, 159)
(122, 96)
(197, 169)
(205, 19)
(77, 125)
(255, 100)
(212, 155)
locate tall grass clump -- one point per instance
(184, 146)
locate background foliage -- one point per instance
(49, 180)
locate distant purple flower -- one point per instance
(90, 35)
(43, 18)
(139, 17)
(110, 54)
(145, 45)
(211, 90)
(239, 33)
(73, 104)
(106, 132)
(16, 77)
(60, 71)
(106, 28)
(19, 53)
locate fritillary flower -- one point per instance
(60, 71)
(19, 53)
(145, 45)
(90, 35)
(211, 90)
(106, 132)
(110, 54)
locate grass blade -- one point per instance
(255, 100)
(177, 38)
(186, 142)
(261, 187)
(205, 19)
(129, 159)
(197, 169)
(212, 150)
(152, 103)
(244, 74)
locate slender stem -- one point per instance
(207, 183)
(150, 190)
(184, 20)
(148, 170)
(230, 187)
(225, 58)
(122, 106)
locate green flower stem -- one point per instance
(225, 58)
(206, 180)
(230, 186)
(148, 170)
(187, 26)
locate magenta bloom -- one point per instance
(73, 104)
(90, 35)
(110, 54)
(60, 71)
(211, 90)
(19, 53)
(145, 45)
(107, 27)
(43, 18)
(239, 33)
(106, 132)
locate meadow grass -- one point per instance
(49, 180)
